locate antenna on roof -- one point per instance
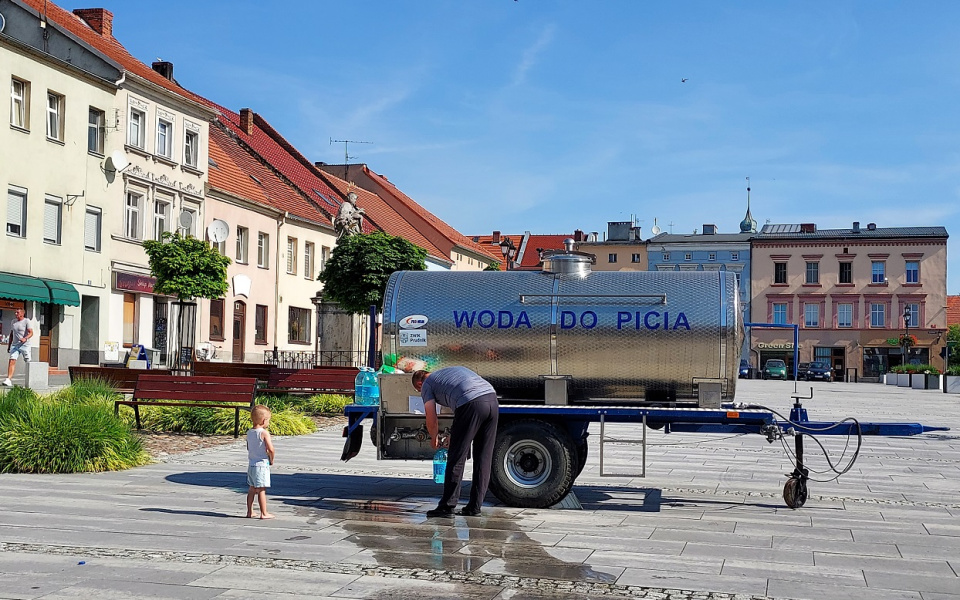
(346, 156)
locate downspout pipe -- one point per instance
(276, 293)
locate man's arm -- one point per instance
(433, 425)
(29, 333)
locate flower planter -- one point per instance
(890, 378)
(918, 381)
(903, 379)
(933, 382)
(952, 384)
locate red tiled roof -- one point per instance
(953, 310)
(526, 244)
(445, 230)
(108, 45)
(384, 217)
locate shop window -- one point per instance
(260, 333)
(299, 325)
(216, 320)
(129, 320)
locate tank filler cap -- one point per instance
(567, 261)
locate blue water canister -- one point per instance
(366, 389)
(439, 465)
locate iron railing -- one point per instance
(307, 359)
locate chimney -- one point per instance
(99, 19)
(808, 227)
(164, 68)
(856, 226)
(246, 120)
(578, 235)
(871, 226)
(496, 237)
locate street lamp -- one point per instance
(906, 335)
(508, 250)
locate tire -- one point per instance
(534, 464)
(581, 456)
(373, 435)
(795, 492)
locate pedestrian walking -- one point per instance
(19, 343)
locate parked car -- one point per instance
(744, 368)
(774, 369)
(819, 369)
(802, 369)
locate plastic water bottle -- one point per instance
(366, 389)
(440, 465)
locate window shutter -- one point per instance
(15, 210)
(91, 232)
(50, 221)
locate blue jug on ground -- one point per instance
(366, 389)
(440, 465)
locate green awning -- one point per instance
(62, 292)
(34, 289)
(22, 287)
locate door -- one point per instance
(160, 313)
(89, 330)
(46, 318)
(239, 329)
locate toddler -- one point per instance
(260, 453)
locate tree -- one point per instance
(360, 265)
(186, 267)
(953, 335)
(494, 266)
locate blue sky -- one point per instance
(553, 116)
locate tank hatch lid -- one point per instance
(567, 261)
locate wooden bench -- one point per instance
(122, 379)
(258, 371)
(333, 380)
(198, 392)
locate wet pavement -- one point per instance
(708, 521)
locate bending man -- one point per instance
(474, 402)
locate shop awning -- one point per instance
(35, 289)
(22, 287)
(62, 292)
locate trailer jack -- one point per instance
(795, 490)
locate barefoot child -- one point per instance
(260, 453)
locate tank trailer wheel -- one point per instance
(581, 456)
(534, 464)
(795, 492)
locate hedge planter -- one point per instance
(903, 379)
(918, 381)
(952, 384)
(933, 382)
(890, 378)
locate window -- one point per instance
(688, 256)
(635, 258)
(20, 103)
(96, 131)
(780, 313)
(780, 273)
(811, 315)
(260, 325)
(131, 216)
(308, 260)
(611, 258)
(292, 255)
(243, 239)
(129, 320)
(17, 212)
(161, 218)
(913, 271)
(666, 256)
(324, 257)
(913, 315)
(299, 330)
(135, 128)
(878, 268)
(878, 315)
(91, 229)
(55, 116)
(712, 256)
(216, 320)
(191, 148)
(52, 212)
(263, 250)
(846, 272)
(845, 315)
(734, 256)
(164, 137)
(813, 272)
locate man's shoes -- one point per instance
(467, 511)
(440, 511)
(7, 382)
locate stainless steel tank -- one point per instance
(611, 337)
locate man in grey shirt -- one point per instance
(476, 411)
(19, 344)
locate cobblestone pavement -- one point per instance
(708, 521)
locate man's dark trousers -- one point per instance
(475, 421)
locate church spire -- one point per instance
(748, 224)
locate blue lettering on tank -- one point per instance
(490, 322)
(568, 320)
(523, 319)
(646, 320)
(592, 321)
(623, 317)
(681, 322)
(464, 317)
(504, 315)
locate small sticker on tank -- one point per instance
(413, 337)
(413, 322)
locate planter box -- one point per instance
(933, 382)
(890, 378)
(903, 379)
(918, 381)
(952, 384)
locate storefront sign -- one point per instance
(11, 304)
(129, 282)
(787, 346)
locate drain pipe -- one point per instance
(276, 292)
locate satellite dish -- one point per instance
(217, 231)
(116, 162)
(186, 219)
(654, 230)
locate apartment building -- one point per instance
(853, 292)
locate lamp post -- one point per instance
(508, 250)
(906, 335)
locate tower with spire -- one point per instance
(748, 224)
